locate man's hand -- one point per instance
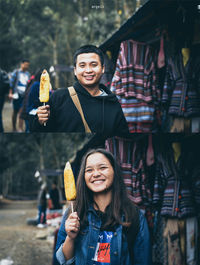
(43, 114)
(10, 95)
(72, 225)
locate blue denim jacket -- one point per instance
(87, 239)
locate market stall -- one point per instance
(155, 67)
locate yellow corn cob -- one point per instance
(44, 86)
(69, 182)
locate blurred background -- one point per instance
(48, 32)
(27, 162)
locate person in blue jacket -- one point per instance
(106, 227)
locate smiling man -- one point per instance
(101, 109)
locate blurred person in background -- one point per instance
(24, 114)
(31, 99)
(4, 88)
(54, 196)
(18, 83)
(42, 206)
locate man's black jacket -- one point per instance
(4, 83)
(102, 113)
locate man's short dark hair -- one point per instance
(25, 61)
(89, 49)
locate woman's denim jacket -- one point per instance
(86, 242)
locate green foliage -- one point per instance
(22, 155)
(9, 49)
(47, 32)
(96, 29)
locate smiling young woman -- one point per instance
(99, 230)
(99, 175)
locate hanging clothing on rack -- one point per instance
(177, 185)
(192, 240)
(159, 182)
(109, 70)
(181, 90)
(159, 254)
(172, 235)
(131, 158)
(195, 125)
(182, 241)
(181, 125)
(162, 176)
(134, 83)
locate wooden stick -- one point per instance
(44, 122)
(72, 206)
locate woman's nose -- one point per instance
(96, 172)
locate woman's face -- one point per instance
(99, 173)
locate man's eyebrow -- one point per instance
(89, 62)
(94, 62)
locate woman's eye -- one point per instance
(88, 171)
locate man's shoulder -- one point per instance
(15, 72)
(59, 94)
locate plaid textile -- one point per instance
(174, 190)
(131, 159)
(138, 114)
(134, 83)
(158, 249)
(178, 185)
(160, 181)
(181, 91)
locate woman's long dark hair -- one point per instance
(120, 203)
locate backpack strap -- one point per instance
(77, 103)
(14, 86)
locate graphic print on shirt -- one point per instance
(102, 253)
(22, 82)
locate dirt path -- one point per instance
(7, 117)
(7, 114)
(18, 240)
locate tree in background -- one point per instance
(21, 156)
(48, 32)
